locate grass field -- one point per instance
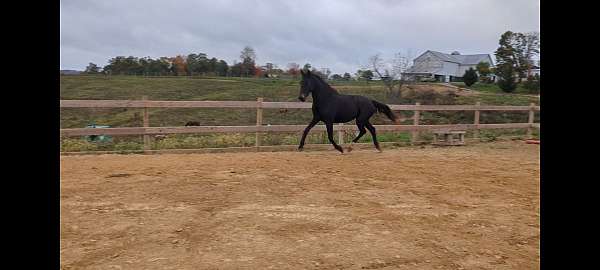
(493, 88)
(220, 88)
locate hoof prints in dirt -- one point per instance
(119, 175)
(408, 209)
(395, 262)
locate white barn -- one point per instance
(444, 67)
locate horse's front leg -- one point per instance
(329, 126)
(312, 123)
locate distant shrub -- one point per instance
(507, 81)
(532, 84)
(470, 77)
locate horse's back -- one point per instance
(363, 103)
(351, 107)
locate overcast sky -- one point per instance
(339, 35)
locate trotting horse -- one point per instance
(331, 107)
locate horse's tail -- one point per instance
(385, 109)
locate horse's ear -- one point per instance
(308, 72)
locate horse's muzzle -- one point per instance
(302, 98)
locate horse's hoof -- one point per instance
(300, 149)
(349, 149)
(379, 151)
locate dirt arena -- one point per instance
(469, 207)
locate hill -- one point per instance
(69, 72)
(221, 88)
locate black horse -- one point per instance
(331, 107)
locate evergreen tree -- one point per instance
(507, 81)
(507, 61)
(92, 69)
(470, 77)
(365, 74)
(221, 68)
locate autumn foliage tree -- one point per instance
(258, 72)
(293, 69)
(179, 65)
(192, 64)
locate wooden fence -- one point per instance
(259, 128)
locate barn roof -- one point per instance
(469, 59)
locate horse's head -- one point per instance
(306, 85)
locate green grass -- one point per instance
(220, 88)
(493, 88)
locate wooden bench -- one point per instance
(448, 137)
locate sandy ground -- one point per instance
(469, 207)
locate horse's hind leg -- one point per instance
(362, 131)
(371, 129)
(329, 126)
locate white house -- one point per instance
(444, 67)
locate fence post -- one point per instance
(146, 124)
(476, 122)
(530, 121)
(341, 134)
(415, 134)
(259, 116)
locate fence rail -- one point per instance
(277, 128)
(259, 105)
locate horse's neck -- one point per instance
(323, 93)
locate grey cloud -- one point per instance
(340, 35)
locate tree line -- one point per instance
(514, 58)
(199, 64)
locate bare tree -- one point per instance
(390, 72)
(531, 48)
(293, 69)
(381, 69)
(248, 57)
(401, 63)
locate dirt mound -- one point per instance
(442, 89)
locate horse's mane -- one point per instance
(322, 82)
